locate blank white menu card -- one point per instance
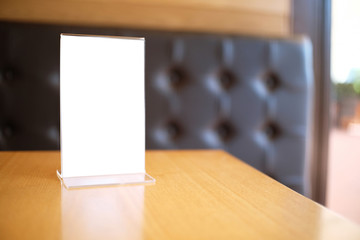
(102, 105)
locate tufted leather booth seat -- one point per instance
(249, 96)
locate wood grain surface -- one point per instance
(197, 195)
(256, 17)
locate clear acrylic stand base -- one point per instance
(108, 180)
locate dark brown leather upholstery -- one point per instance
(246, 95)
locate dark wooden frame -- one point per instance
(313, 18)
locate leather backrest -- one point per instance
(248, 96)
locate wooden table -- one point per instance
(198, 195)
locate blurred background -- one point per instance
(274, 82)
(343, 193)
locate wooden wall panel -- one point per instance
(255, 17)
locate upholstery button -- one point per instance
(8, 131)
(177, 77)
(272, 81)
(8, 75)
(225, 130)
(174, 129)
(272, 130)
(227, 79)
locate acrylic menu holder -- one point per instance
(102, 111)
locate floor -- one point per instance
(343, 193)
